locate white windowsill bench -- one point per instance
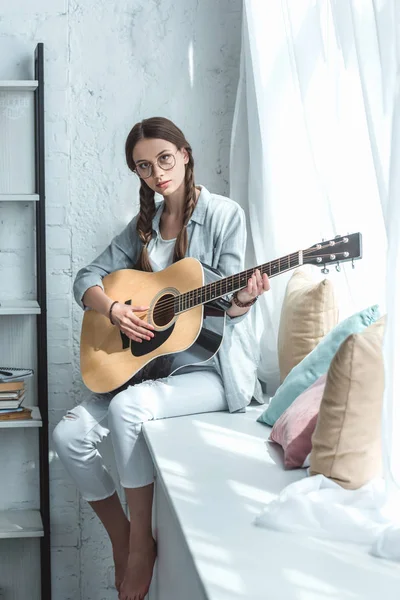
(215, 473)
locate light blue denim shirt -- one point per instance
(216, 237)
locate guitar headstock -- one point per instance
(337, 250)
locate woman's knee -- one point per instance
(129, 406)
(67, 436)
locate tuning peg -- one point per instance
(325, 271)
(338, 269)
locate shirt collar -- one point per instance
(198, 215)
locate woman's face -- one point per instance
(151, 155)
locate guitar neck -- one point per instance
(230, 284)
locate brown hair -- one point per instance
(160, 128)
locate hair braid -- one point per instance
(181, 243)
(143, 225)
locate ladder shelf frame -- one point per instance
(39, 309)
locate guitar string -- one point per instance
(279, 261)
(232, 279)
(169, 303)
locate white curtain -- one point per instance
(391, 212)
(315, 153)
(302, 161)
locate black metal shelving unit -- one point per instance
(41, 321)
(35, 523)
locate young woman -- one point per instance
(190, 221)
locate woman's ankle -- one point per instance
(138, 539)
(120, 539)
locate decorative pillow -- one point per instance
(293, 430)
(346, 445)
(309, 312)
(315, 364)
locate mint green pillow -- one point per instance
(315, 364)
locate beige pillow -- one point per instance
(308, 313)
(346, 444)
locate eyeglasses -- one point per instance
(166, 162)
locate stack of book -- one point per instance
(12, 394)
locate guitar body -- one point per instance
(109, 359)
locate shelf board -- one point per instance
(19, 307)
(19, 197)
(18, 85)
(20, 524)
(35, 421)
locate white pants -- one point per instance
(79, 432)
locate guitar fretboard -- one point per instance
(230, 284)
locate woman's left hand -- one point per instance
(257, 285)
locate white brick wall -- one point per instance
(108, 64)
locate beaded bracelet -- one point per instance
(243, 304)
(109, 312)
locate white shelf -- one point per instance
(19, 307)
(19, 197)
(20, 524)
(34, 421)
(18, 86)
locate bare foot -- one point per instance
(138, 573)
(120, 555)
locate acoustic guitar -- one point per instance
(187, 309)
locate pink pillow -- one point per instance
(294, 428)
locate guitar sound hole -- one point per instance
(163, 312)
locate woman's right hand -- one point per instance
(124, 317)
